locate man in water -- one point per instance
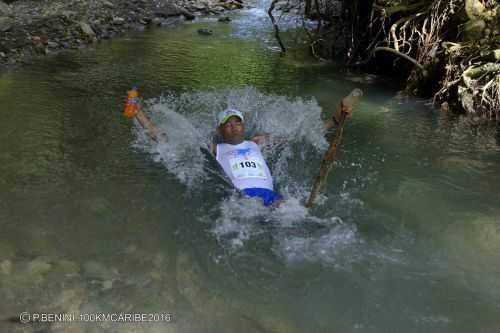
(241, 159)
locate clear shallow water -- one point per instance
(94, 218)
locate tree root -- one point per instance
(391, 10)
(402, 55)
(275, 25)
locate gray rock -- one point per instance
(225, 19)
(218, 9)
(53, 44)
(86, 29)
(2, 55)
(199, 6)
(68, 13)
(170, 9)
(108, 4)
(118, 20)
(5, 24)
(4, 8)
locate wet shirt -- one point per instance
(244, 165)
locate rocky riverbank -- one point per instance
(30, 28)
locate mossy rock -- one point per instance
(473, 29)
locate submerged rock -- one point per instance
(225, 19)
(205, 31)
(37, 267)
(95, 270)
(189, 280)
(6, 267)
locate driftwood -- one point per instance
(327, 162)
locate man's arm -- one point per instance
(147, 124)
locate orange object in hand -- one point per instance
(132, 104)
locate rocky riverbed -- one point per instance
(30, 28)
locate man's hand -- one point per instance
(261, 139)
(343, 108)
(347, 109)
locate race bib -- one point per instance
(244, 167)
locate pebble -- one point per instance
(118, 20)
(108, 4)
(5, 24)
(86, 29)
(106, 285)
(56, 20)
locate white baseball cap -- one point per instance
(226, 114)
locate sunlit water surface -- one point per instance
(95, 218)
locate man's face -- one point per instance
(233, 130)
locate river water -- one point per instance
(95, 218)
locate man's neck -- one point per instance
(234, 142)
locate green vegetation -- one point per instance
(448, 49)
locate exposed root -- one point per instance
(402, 55)
(275, 25)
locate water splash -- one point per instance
(189, 120)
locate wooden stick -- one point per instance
(327, 162)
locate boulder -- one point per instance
(170, 9)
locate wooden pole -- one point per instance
(350, 100)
